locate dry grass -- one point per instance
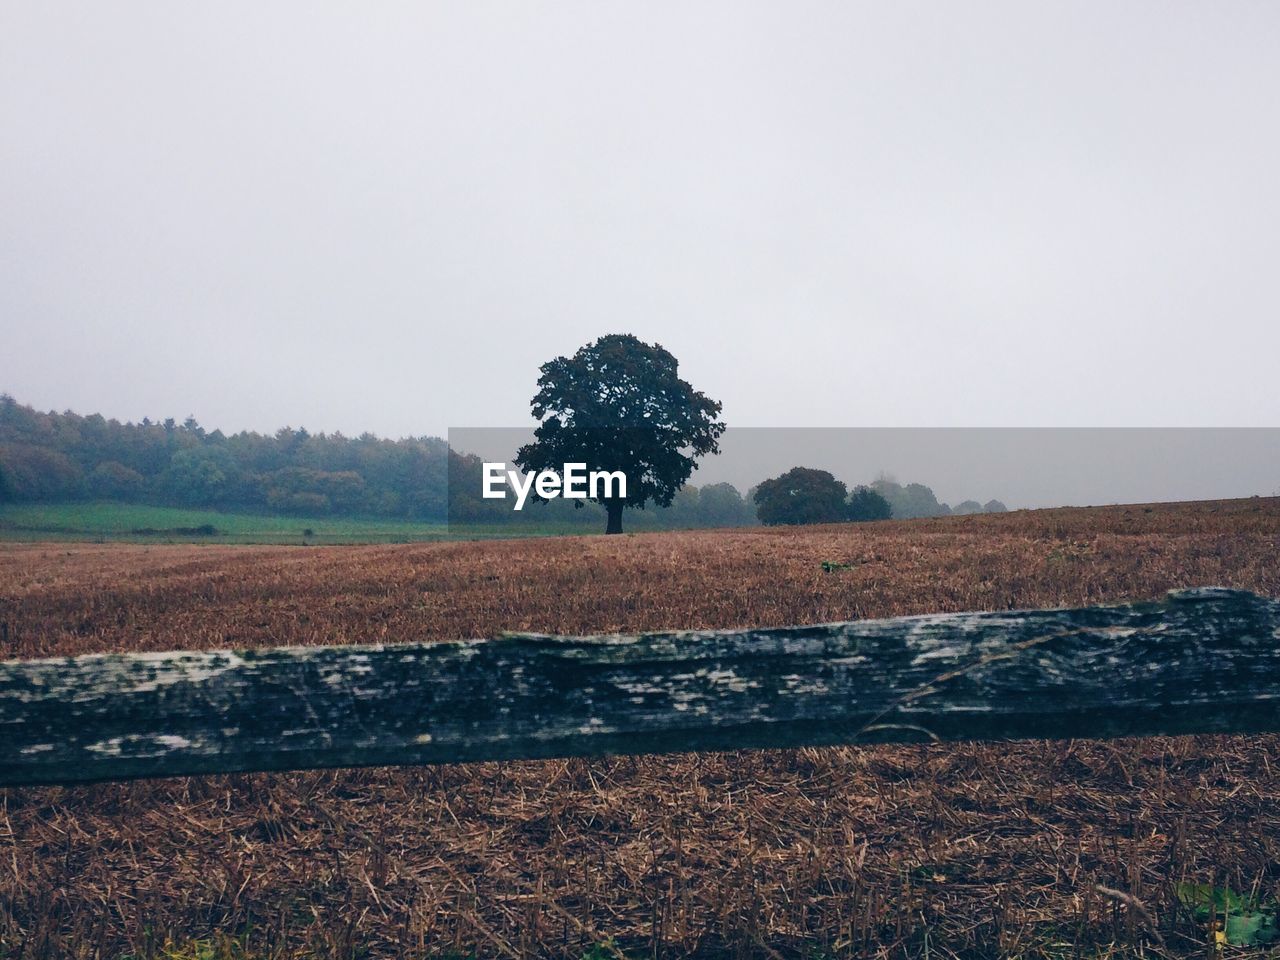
(969, 850)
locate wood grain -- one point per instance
(1199, 661)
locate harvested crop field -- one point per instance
(1054, 849)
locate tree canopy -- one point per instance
(801, 495)
(618, 404)
(866, 504)
(910, 501)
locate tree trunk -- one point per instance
(615, 517)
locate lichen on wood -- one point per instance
(1198, 661)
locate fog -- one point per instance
(835, 215)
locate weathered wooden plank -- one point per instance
(1203, 660)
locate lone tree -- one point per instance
(618, 404)
(801, 495)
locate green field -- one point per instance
(149, 524)
(142, 523)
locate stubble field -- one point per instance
(1054, 849)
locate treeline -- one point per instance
(66, 456)
(59, 457)
(917, 500)
(806, 495)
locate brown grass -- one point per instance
(971, 850)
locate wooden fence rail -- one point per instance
(1205, 660)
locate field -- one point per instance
(1064, 849)
(150, 524)
(139, 523)
(100, 522)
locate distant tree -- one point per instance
(40, 473)
(866, 504)
(721, 505)
(466, 482)
(913, 500)
(420, 475)
(967, 507)
(307, 491)
(111, 480)
(685, 511)
(801, 495)
(994, 506)
(619, 404)
(201, 476)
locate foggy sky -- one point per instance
(385, 217)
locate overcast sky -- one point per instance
(386, 217)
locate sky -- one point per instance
(386, 216)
